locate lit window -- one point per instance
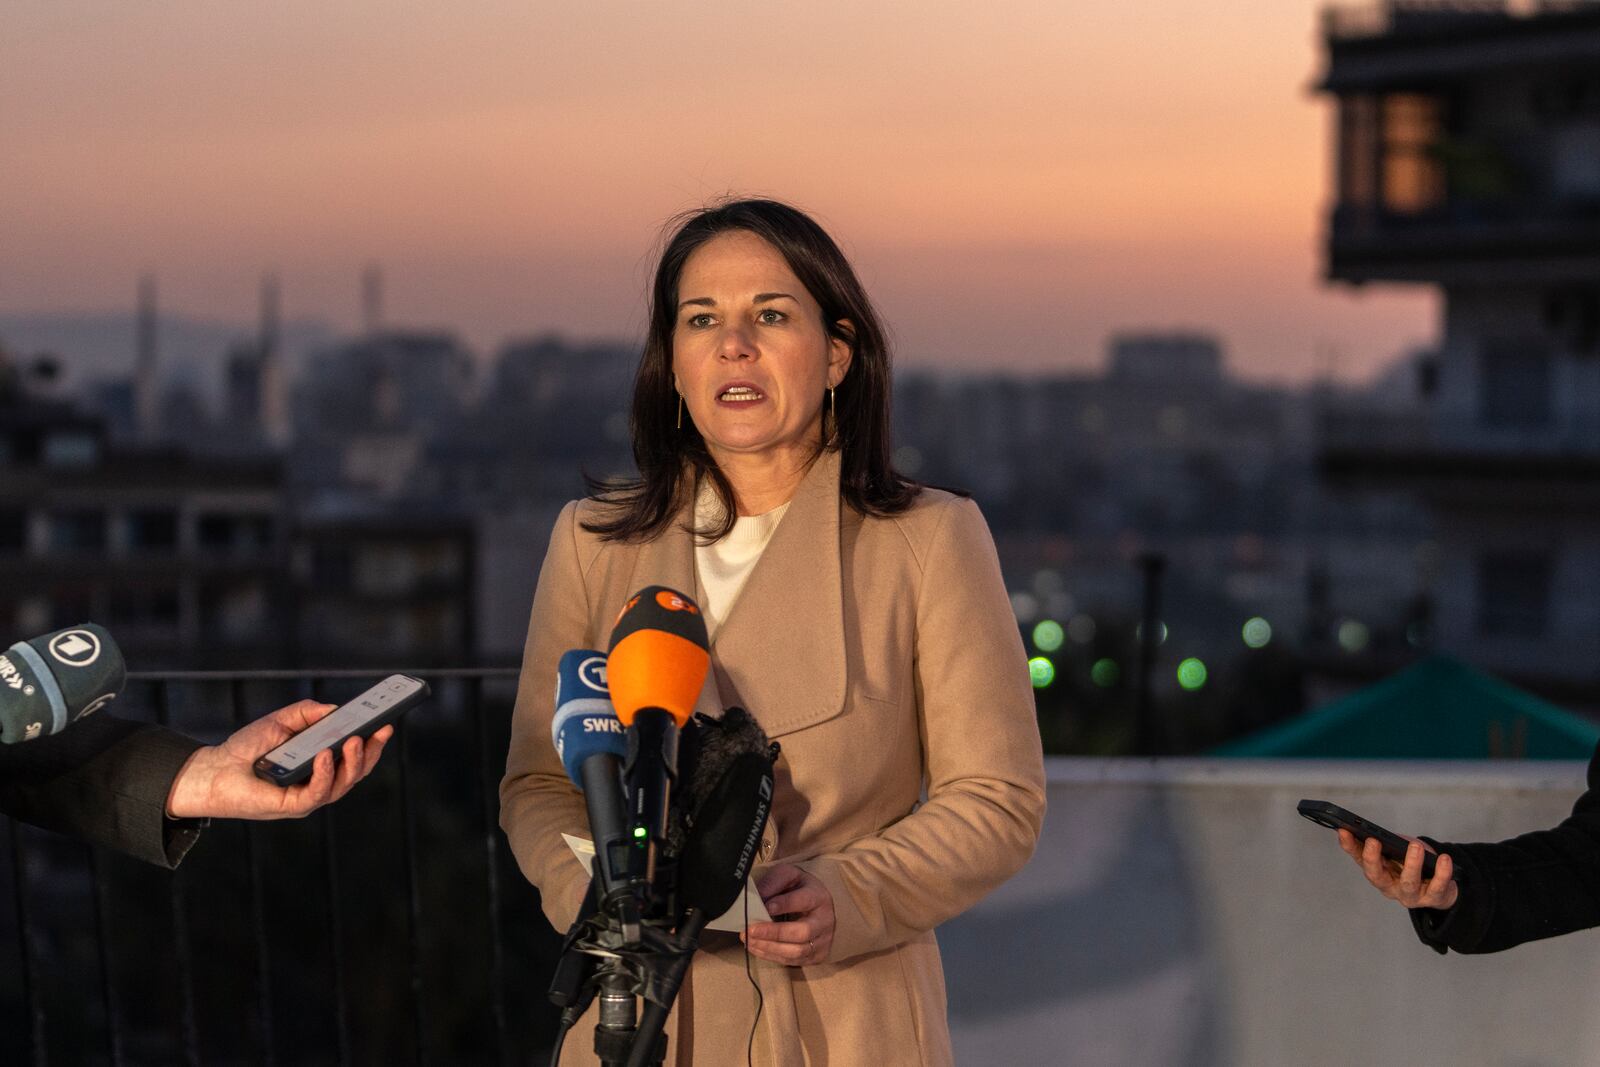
(1413, 175)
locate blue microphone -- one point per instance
(592, 742)
(585, 724)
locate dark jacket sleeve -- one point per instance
(1539, 885)
(104, 780)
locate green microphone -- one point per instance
(48, 683)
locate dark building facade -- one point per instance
(1468, 158)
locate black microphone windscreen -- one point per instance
(725, 805)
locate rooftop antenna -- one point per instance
(145, 407)
(273, 414)
(372, 298)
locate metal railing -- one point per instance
(391, 927)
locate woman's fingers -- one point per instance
(791, 943)
(797, 901)
(803, 931)
(778, 878)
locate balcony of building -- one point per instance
(1176, 912)
(1548, 461)
(1467, 143)
(1450, 35)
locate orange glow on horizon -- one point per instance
(1049, 178)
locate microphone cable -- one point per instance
(750, 1048)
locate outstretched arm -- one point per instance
(219, 781)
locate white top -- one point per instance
(723, 566)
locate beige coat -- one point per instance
(883, 655)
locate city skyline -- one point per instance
(1013, 193)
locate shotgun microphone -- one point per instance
(725, 804)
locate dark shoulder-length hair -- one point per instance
(641, 508)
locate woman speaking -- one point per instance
(861, 618)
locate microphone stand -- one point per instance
(665, 981)
(617, 1029)
(595, 961)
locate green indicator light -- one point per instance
(1041, 671)
(1257, 632)
(1105, 673)
(1353, 635)
(1191, 673)
(639, 831)
(1048, 636)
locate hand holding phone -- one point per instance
(1325, 813)
(290, 763)
(1428, 880)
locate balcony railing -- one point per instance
(1527, 241)
(391, 927)
(1176, 911)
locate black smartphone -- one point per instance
(1334, 817)
(290, 763)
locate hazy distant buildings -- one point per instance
(1164, 452)
(1167, 360)
(365, 410)
(1163, 443)
(199, 561)
(180, 556)
(1468, 157)
(384, 590)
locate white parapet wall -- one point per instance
(1182, 912)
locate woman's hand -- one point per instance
(802, 907)
(1403, 882)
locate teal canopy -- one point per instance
(1438, 708)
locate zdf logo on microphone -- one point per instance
(75, 648)
(674, 602)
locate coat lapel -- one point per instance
(666, 560)
(780, 651)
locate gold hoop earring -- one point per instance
(680, 411)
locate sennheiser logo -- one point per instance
(753, 838)
(75, 648)
(34, 730)
(592, 672)
(97, 703)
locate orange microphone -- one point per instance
(658, 656)
(655, 669)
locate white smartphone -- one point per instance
(290, 762)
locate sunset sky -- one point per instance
(1015, 182)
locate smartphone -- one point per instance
(290, 763)
(1336, 818)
